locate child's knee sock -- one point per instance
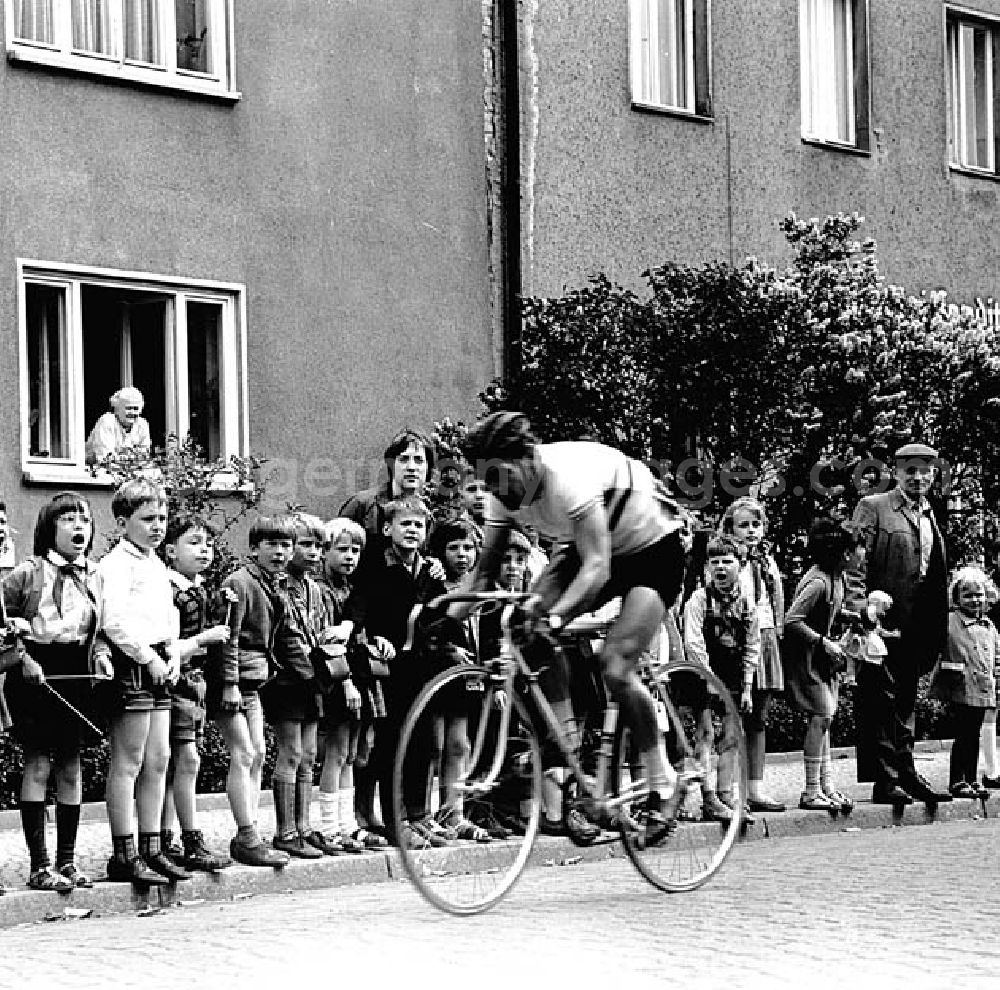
(812, 764)
(149, 843)
(123, 847)
(826, 767)
(988, 748)
(329, 812)
(284, 805)
(67, 825)
(348, 820)
(303, 799)
(33, 824)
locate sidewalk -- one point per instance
(784, 776)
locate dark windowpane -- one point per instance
(204, 324)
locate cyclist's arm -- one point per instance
(593, 545)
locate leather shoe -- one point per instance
(134, 870)
(764, 804)
(160, 863)
(890, 794)
(920, 788)
(993, 782)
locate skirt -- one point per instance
(769, 675)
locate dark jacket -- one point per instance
(253, 621)
(892, 564)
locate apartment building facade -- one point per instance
(268, 217)
(683, 130)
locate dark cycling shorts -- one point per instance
(660, 567)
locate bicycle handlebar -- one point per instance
(471, 597)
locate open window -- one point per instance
(973, 57)
(176, 44)
(833, 48)
(670, 55)
(86, 334)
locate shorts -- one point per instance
(296, 701)
(249, 698)
(187, 720)
(660, 567)
(133, 688)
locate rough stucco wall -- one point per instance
(345, 189)
(617, 190)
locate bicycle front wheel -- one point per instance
(495, 783)
(703, 735)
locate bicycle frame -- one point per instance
(514, 673)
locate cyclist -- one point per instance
(617, 533)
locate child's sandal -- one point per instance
(464, 829)
(816, 802)
(75, 876)
(840, 799)
(45, 879)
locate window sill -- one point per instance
(63, 474)
(847, 149)
(119, 72)
(661, 111)
(224, 483)
(973, 173)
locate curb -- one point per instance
(849, 752)
(238, 882)
(94, 811)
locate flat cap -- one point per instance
(909, 451)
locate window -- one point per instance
(177, 44)
(972, 61)
(833, 42)
(85, 334)
(669, 43)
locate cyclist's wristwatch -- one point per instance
(555, 622)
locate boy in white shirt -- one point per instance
(142, 626)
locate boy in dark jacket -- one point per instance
(391, 590)
(240, 669)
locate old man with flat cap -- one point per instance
(904, 556)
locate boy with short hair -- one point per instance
(243, 665)
(188, 552)
(291, 700)
(391, 591)
(721, 631)
(141, 624)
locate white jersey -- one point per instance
(577, 475)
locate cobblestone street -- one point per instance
(882, 907)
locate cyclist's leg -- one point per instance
(640, 618)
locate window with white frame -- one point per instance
(972, 63)
(833, 43)
(85, 334)
(669, 55)
(178, 44)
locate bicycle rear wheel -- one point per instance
(499, 789)
(703, 735)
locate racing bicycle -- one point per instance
(509, 719)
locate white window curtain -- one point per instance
(827, 67)
(92, 27)
(663, 33)
(970, 49)
(33, 20)
(143, 36)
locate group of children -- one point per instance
(292, 637)
(300, 637)
(735, 621)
